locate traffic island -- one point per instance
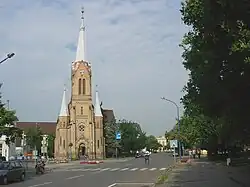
(91, 162)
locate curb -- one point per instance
(91, 162)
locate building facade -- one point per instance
(79, 129)
(163, 141)
(7, 151)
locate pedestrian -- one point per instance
(190, 153)
(194, 153)
(199, 153)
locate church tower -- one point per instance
(81, 108)
(61, 140)
(80, 124)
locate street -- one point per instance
(103, 175)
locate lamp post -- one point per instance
(178, 118)
(10, 55)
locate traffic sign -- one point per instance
(118, 136)
(173, 143)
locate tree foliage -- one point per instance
(7, 123)
(217, 55)
(34, 138)
(110, 129)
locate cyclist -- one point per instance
(146, 157)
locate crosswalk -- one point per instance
(112, 169)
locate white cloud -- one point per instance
(132, 44)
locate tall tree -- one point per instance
(51, 139)
(216, 52)
(34, 138)
(152, 143)
(133, 138)
(110, 129)
(7, 123)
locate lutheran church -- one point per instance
(79, 128)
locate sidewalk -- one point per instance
(208, 174)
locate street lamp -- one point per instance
(10, 55)
(178, 118)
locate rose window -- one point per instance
(81, 128)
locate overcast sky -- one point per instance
(132, 45)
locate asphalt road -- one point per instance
(103, 175)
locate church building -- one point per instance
(79, 129)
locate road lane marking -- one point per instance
(105, 169)
(124, 169)
(40, 184)
(115, 169)
(96, 169)
(74, 177)
(152, 169)
(163, 169)
(85, 169)
(134, 169)
(143, 169)
(112, 185)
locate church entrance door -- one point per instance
(82, 151)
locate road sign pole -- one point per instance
(174, 156)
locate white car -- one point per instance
(175, 154)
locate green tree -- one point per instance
(216, 53)
(152, 143)
(7, 123)
(110, 129)
(132, 137)
(51, 139)
(34, 138)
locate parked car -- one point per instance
(11, 171)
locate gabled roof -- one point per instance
(46, 127)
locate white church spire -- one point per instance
(98, 111)
(64, 108)
(80, 53)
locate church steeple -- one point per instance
(64, 108)
(80, 53)
(98, 111)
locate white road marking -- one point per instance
(163, 169)
(77, 170)
(134, 169)
(85, 169)
(40, 184)
(77, 176)
(105, 169)
(112, 185)
(124, 169)
(143, 169)
(152, 169)
(115, 169)
(96, 169)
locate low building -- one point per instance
(163, 141)
(7, 151)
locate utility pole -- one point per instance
(178, 121)
(8, 104)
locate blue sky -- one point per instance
(132, 45)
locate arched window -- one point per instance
(60, 140)
(80, 87)
(98, 145)
(63, 144)
(81, 110)
(83, 86)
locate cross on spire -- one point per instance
(82, 11)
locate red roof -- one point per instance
(46, 127)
